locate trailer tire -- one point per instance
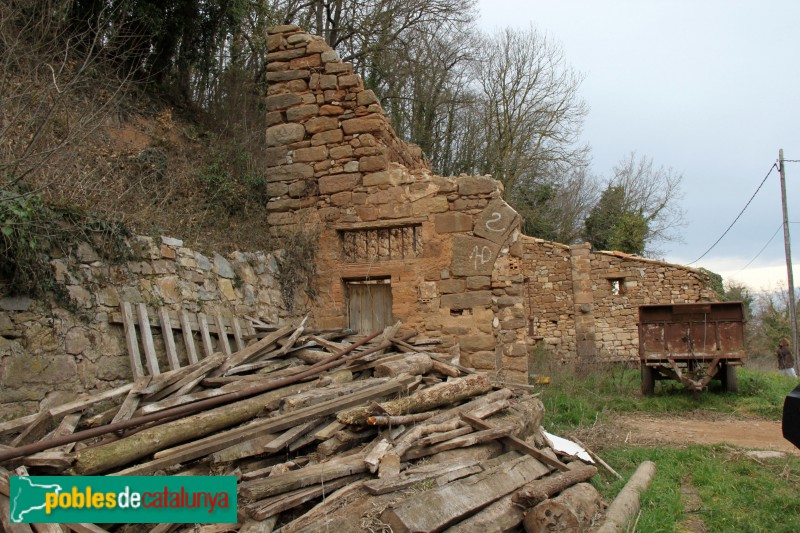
(648, 380)
(730, 378)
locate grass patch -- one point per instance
(577, 402)
(738, 493)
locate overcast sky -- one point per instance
(709, 88)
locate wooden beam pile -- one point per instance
(319, 426)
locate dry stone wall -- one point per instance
(49, 353)
(585, 304)
(441, 254)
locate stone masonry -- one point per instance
(445, 251)
(585, 304)
(50, 354)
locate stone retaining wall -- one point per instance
(49, 353)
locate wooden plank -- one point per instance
(131, 402)
(169, 339)
(222, 334)
(517, 444)
(147, 340)
(205, 336)
(237, 334)
(35, 431)
(296, 479)
(188, 338)
(191, 379)
(436, 509)
(66, 427)
(5, 519)
(130, 340)
(264, 509)
(17, 424)
(240, 450)
(255, 349)
(289, 436)
(85, 528)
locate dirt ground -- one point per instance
(698, 428)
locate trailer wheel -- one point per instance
(730, 378)
(648, 380)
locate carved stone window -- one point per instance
(381, 244)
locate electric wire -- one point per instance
(773, 167)
(780, 227)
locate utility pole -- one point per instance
(788, 247)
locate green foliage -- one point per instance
(737, 493)
(612, 225)
(297, 265)
(33, 232)
(574, 402)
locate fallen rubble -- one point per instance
(322, 430)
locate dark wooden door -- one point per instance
(369, 305)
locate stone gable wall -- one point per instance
(339, 170)
(585, 304)
(49, 354)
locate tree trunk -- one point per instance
(572, 510)
(538, 491)
(99, 459)
(447, 393)
(414, 364)
(626, 505)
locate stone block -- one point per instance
(466, 300)
(287, 75)
(338, 183)
(496, 222)
(474, 185)
(313, 153)
(281, 101)
(483, 360)
(479, 282)
(394, 176)
(372, 163)
(473, 256)
(341, 199)
(429, 205)
(313, 60)
(295, 171)
(283, 134)
(363, 125)
(366, 98)
(341, 152)
(320, 124)
(327, 137)
(449, 286)
(301, 112)
(453, 222)
(349, 80)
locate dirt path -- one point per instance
(701, 428)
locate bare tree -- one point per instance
(531, 110)
(654, 194)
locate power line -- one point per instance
(773, 167)
(780, 226)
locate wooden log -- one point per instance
(447, 393)
(444, 368)
(343, 440)
(222, 440)
(289, 436)
(259, 526)
(105, 457)
(572, 510)
(436, 509)
(626, 505)
(538, 491)
(85, 528)
(399, 420)
(310, 475)
(413, 364)
(597, 458)
(463, 441)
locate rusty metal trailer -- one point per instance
(691, 343)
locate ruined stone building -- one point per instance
(442, 254)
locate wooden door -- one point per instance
(369, 305)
